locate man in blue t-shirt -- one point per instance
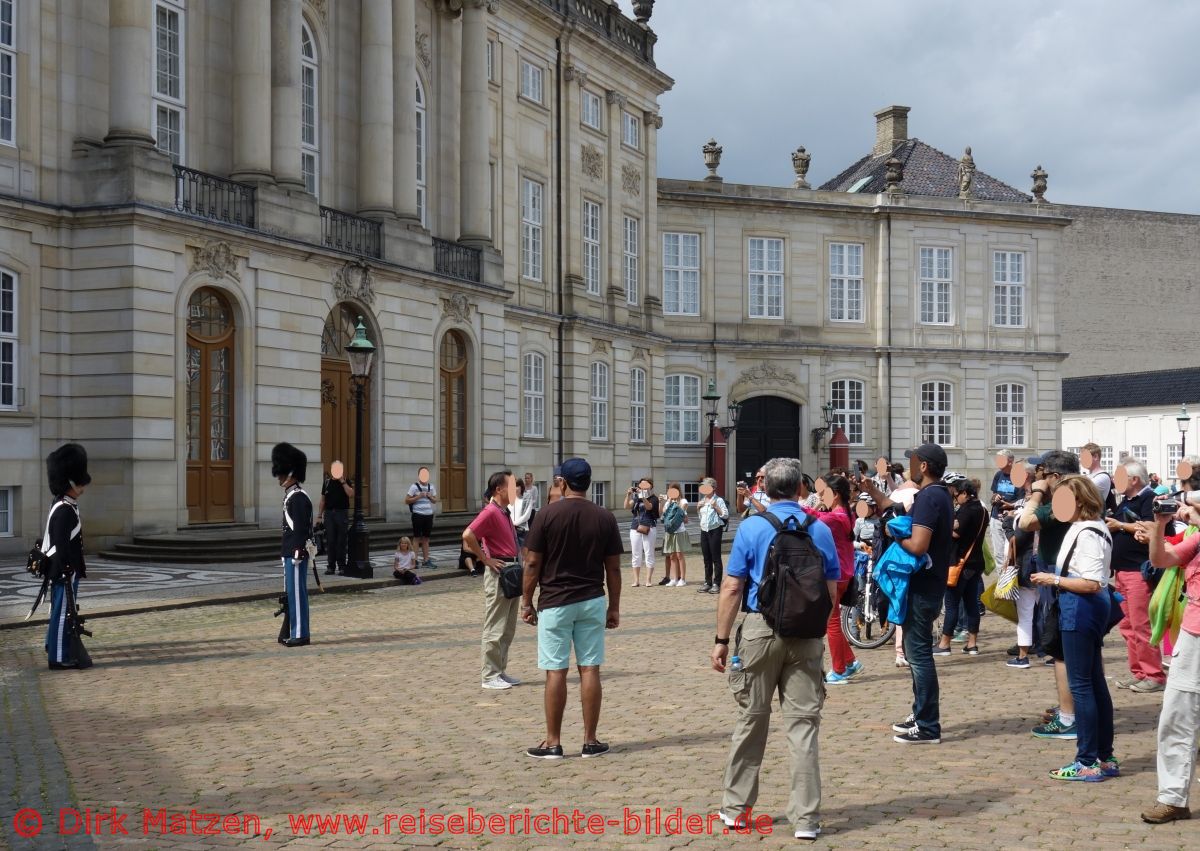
(771, 664)
(1004, 499)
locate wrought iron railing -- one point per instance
(457, 261)
(606, 19)
(347, 232)
(208, 196)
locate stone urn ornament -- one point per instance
(642, 10)
(800, 162)
(1039, 176)
(894, 175)
(712, 159)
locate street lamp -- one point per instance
(827, 411)
(711, 398)
(360, 353)
(1183, 421)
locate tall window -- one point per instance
(766, 278)
(846, 396)
(1010, 415)
(1174, 456)
(534, 380)
(421, 181)
(590, 112)
(637, 405)
(8, 339)
(1138, 451)
(310, 127)
(531, 81)
(935, 286)
(1108, 462)
(8, 72)
(681, 273)
(600, 494)
(491, 61)
(599, 400)
(6, 512)
(591, 247)
(1008, 288)
(631, 131)
(681, 404)
(845, 282)
(631, 247)
(531, 229)
(168, 102)
(937, 413)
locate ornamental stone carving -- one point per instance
(457, 307)
(966, 174)
(800, 162)
(767, 373)
(423, 49)
(642, 10)
(354, 281)
(217, 259)
(1039, 184)
(593, 161)
(328, 393)
(641, 354)
(712, 159)
(321, 7)
(612, 96)
(631, 180)
(599, 347)
(652, 119)
(894, 176)
(573, 73)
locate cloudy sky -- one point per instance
(1105, 94)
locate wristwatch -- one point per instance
(1057, 581)
(722, 641)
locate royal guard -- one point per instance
(288, 466)
(66, 471)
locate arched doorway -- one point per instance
(210, 400)
(452, 472)
(768, 427)
(337, 401)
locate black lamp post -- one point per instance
(1184, 422)
(360, 353)
(734, 409)
(820, 431)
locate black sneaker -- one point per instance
(543, 752)
(904, 726)
(971, 651)
(917, 736)
(941, 651)
(591, 749)
(666, 580)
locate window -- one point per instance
(421, 182)
(1107, 462)
(937, 413)
(590, 111)
(168, 78)
(632, 240)
(631, 130)
(591, 247)
(491, 61)
(935, 286)
(766, 278)
(637, 405)
(681, 273)
(1008, 287)
(531, 81)
(8, 339)
(6, 512)
(310, 128)
(599, 401)
(681, 400)
(845, 282)
(1174, 456)
(531, 229)
(534, 380)
(1138, 451)
(847, 397)
(8, 72)
(600, 494)
(1010, 415)
(691, 492)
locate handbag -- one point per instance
(512, 579)
(1007, 586)
(957, 569)
(1006, 609)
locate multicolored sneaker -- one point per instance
(833, 678)
(1110, 767)
(1079, 771)
(855, 668)
(1055, 729)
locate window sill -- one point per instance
(598, 132)
(17, 416)
(847, 321)
(628, 147)
(526, 99)
(695, 315)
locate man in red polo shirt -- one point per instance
(492, 539)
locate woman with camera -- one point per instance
(643, 502)
(833, 510)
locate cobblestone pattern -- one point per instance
(383, 714)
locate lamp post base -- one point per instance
(358, 562)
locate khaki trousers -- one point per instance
(1179, 723)
(790, 667)
(499, 625)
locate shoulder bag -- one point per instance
(957, 568)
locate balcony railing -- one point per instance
(212, 197)
(457, 261)
(606, 19)
(347, 232)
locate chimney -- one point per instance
(891, 128)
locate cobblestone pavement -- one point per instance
(201, 709)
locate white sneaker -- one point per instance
(512, 681)
(496, 683)
(679, 583)
(808, 833)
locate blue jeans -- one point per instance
(963, 597)
(923, 609)
(1085, 674)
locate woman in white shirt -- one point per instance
(713, 514)
(520, 512)
(1081, 580)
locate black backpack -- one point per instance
(793, 596)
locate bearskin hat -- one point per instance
(66, 467)
(288, 460)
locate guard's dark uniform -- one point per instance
(287, 460)
(66, 469)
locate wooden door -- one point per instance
(452, 469)
(338, 407)
(210, 408)
(768, 427)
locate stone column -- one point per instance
(129, 71)
(285, 93)
(475, 187)
(252, 90)
(375, 105)
(404, 119)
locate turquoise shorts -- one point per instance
(581, 624)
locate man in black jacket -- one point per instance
(1128, 555)
(288, 466)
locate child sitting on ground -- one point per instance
(406, 560)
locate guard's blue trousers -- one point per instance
(58, 642)
(295, 581)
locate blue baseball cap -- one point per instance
(577, 473)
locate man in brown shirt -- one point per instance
(573, 552)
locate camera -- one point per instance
(741, 484)
(1125, 514)
(633, 485)
(1166, 506)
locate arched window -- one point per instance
(310, 126)
(534, 385)
(421, 182)
(846, 397)
(937, 413)
(599, 400)
(1009, 415)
